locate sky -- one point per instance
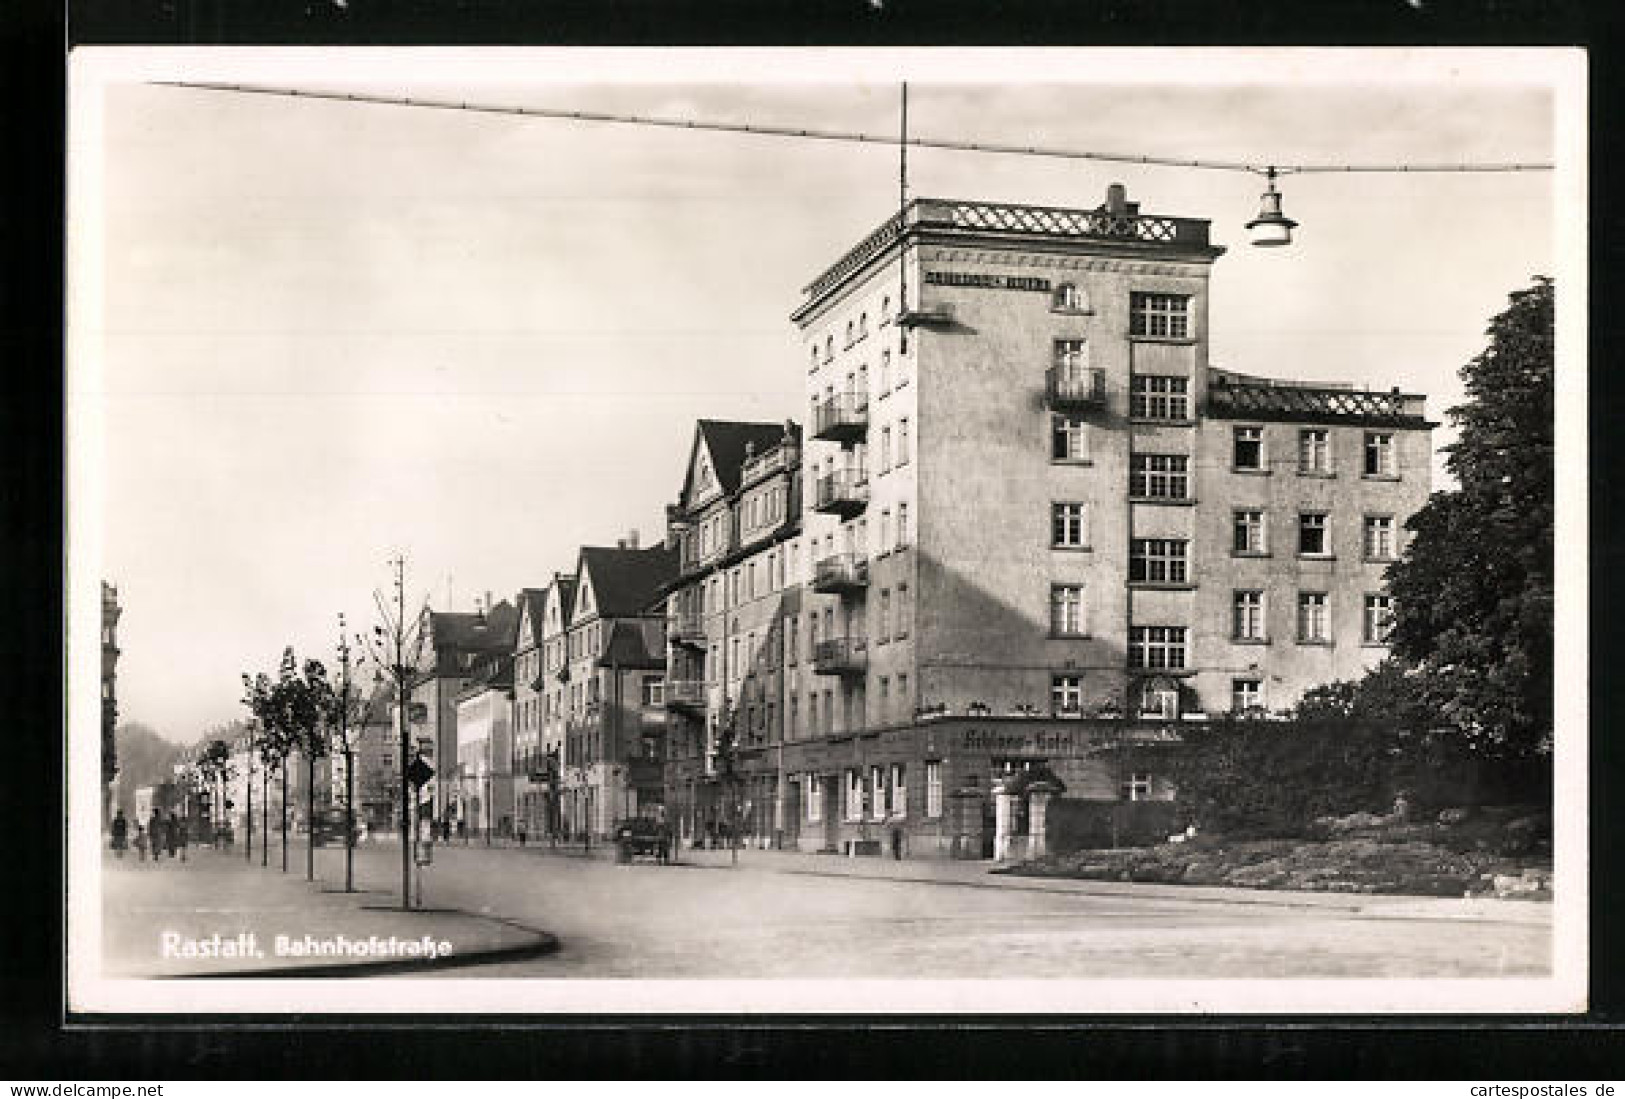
(308, 335)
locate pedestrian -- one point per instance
(141, 843)
(121, 834)
(462, 830)
(180, 834)
(155, 834)
(171, 827)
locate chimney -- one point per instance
(1117, 199)
(488, 603)
(631, 539)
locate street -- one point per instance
(808, 917)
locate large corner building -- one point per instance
(1026, 529)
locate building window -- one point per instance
(1247, 616)
(885, 371)
(1066, 610)
(1314, 451)
(1068, 440)
(1159, 476)
(1379, 537)
(902, 442)
(1312, 617)
(877, 792)
(1379, 619)
(1157, 397)
(1249, 532)
(902, 525)
(815, 799)
(654, 690)
(1379, 454)
(1067, 526)
(1071, 355)
(1312, 540)
(829, 348)
(863, 325)
(1157, 561)
(902, 620)
(1137, 786)
(1246, 695)
(899, 791)
(885, 615)
(933, 788)
(1249, 448)
(885, 531)
(885, 448)
(1159, 701)
(1156, 647)
(854, 794)
(1166, 316)
(1066, 694)
(849, 333)
(1069, 298)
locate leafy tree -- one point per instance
(1473, 591)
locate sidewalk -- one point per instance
(219, 915)
(980, 875)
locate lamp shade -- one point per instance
(1271, 228)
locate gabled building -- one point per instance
(609, 686)
(455, 643)
(529, 765)
(734, 600)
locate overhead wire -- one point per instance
(902, 139)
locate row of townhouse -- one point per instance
(1022, 533)
(546, 715)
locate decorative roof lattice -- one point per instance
(1274, 402)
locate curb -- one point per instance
(1369, 905)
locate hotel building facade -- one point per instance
(1030, 532)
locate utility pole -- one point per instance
(396, 645)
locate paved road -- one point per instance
(708, 920)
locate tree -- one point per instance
(1473, 591)
(214, 764)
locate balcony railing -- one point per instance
(843, 418)
(841, 656)
(686, 628)
(844, 492)
(841, 573)
(685, 694)
(1071, 387)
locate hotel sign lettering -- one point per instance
(1058, 742)
(986, 281)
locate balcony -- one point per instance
(686, 628)
(841, 656)
(934, 315)
(842, 419)
(844, 572)
(686, 694)
(844, 492)
(1075, 389)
